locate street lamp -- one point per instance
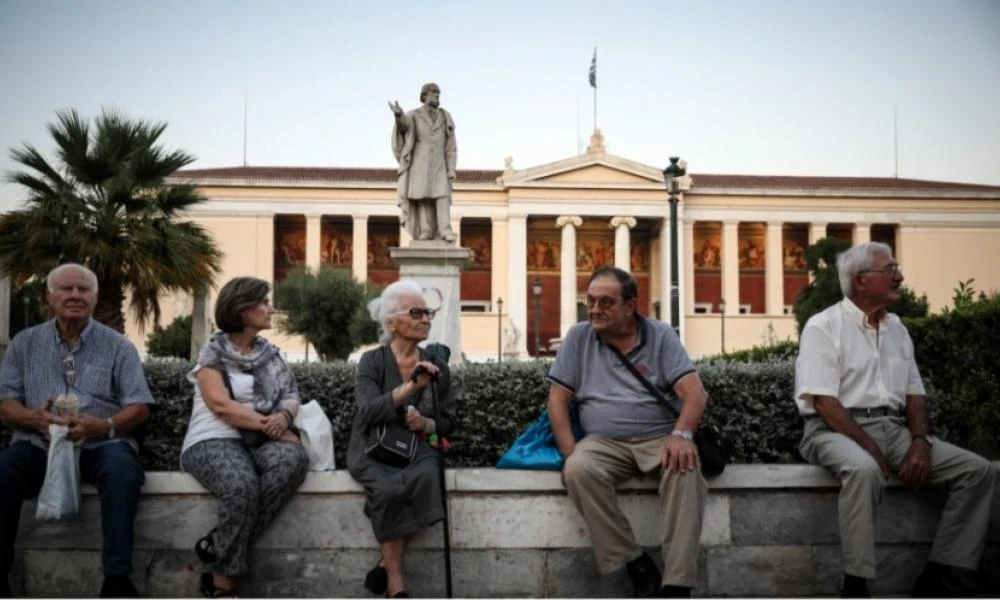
(671, 178)
(722, 307)
(499, 331)
(536, 287)
(27, 303)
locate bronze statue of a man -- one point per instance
(423, 141)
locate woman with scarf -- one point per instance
(240, 443)
(394, 386)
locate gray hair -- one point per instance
(857, 259)
(387, 305)
(56, 272)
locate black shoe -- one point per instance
(399, 594)
(118, 586)
(210, 590)
(5, 591)
(645, 576)
(855, 587)
(377, 580)
(931, 584)
(675, 591)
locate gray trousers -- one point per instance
(251, 486)
(969, 479)
(590, 475)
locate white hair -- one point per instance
(857, 259)
(387, 305)
(56, 272)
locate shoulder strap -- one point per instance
(229, 384)
(642, 379)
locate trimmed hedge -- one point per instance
(958, 353)
(750, 404)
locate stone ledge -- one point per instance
(769, 530)
(735, 477)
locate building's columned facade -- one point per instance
(741, 238)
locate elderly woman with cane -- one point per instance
(394, 396)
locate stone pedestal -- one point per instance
(437, 267)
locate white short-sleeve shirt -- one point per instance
(840, 355)
(206, 425)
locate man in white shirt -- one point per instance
(858, 387)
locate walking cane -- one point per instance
(442, 352)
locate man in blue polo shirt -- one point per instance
(73, 355)
(629, 432)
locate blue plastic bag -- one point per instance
(536, 447)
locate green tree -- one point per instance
(105, 203)
(172, 340)
(824, 290)
(323, 307)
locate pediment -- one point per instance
(587, 169)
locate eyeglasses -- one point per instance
(888, 269)
(420, 313)
(604, 302)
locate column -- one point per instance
(817, 231)
(4, 310)
(665, 270)
(903, 234)
(314, 244)
(517, 277)
(687, 260)
(621, 226)
(456, 226)
(498, 261)
(567, 272)
(774, 274)
(201, 328)
(684, 256)
(731, 266)
(265, 247)
(862, 233)
(359, 248)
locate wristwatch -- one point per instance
(923, 436)
(684, 433)
(111, 428)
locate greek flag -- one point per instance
(593, 70)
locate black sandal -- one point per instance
(201, 548)
(377, 580)
(210, 590)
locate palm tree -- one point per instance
(106, 204)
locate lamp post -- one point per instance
(499, 331)
(722, 307)
(671, 176)
(27, 304)
(536, 287)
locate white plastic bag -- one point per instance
(316, 432)
(60, 493)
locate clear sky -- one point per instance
(782, 87)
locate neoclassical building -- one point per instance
(741, 240)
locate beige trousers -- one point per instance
(968, 477)
(590, 475)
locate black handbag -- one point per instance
(391, 444)
(713, 450)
